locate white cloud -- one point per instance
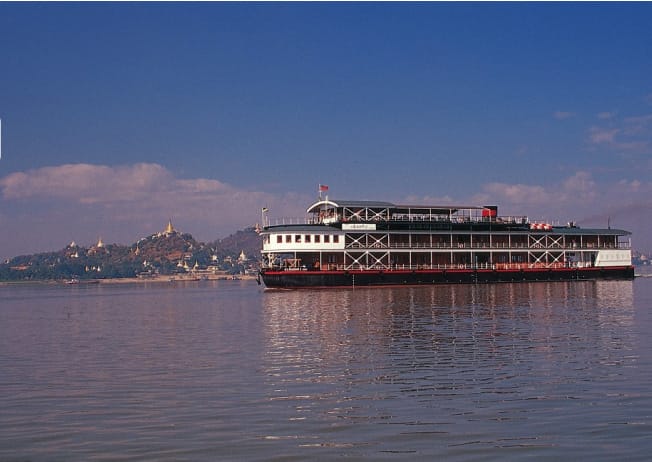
(555, 201)
(562, 115)
(578, 188)
(599, 135)
(87, 183)
(632, 135)
(516, 193)
(638, 124)
(606, 115)
(417, 200)
(139, 185)
(634, 186)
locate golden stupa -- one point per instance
(169, 229)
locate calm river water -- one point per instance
(227, 371)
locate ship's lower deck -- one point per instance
(316, 279)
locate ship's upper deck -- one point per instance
(336, 211)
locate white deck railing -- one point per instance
(480, 266)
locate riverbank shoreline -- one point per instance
(169, 279)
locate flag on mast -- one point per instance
(323, 188)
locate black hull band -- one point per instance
(314, 279)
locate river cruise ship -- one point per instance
(363, 243)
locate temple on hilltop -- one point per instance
(169, 229)
(99, 247)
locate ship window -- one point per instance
(288, 239)
(336, 239)
(279, 239)
(307, 238)
(317, 239)
(327, 238)
(297, 238)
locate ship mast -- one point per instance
(323, 189)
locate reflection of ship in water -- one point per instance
(445, 330)
(500, 300)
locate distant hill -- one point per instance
(160, 253)
(169, 248)
(246, 240)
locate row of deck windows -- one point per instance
(307, 238)
(475, 241)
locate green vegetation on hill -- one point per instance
(161, 253)
(246, 240)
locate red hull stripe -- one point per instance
(449, 271)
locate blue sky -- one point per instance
(118, 116)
